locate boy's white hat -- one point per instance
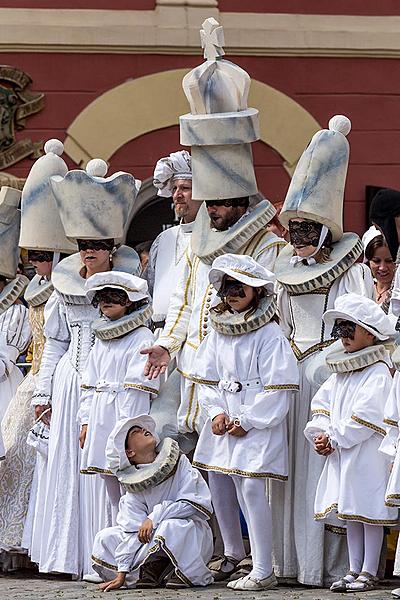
(117, 459)
(92, 206)
(243, 268)
(178, 165)
(135, 287)
(41, 227)
(364, 312)
(316, 191)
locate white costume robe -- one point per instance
(262, 361)
(188, 321)
(305, 550)
(179, 508)
(349, 408)
(113, 388)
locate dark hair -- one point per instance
(377, 242)
(324, 253)
(143, 247)
(254, 304)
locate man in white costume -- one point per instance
(173, 178)
(233, 215)
(317, 266)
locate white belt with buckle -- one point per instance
(237, 386)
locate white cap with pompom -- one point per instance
(316, 191)
(93, 206)
(41, 227)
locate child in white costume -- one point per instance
(113, 385)
(347, 428)
(247, 374)
(162, 519)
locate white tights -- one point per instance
(228, 493)
(364, 543)
(114, 494)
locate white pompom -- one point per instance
(97, 167)
(341, 124)
(54, 146)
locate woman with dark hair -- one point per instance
(382, 265)
(385, 214)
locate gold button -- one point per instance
(205, 320)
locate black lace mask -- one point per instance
(343, 329)
(232, 288)
(304, 233)
(96, 244)
(40, 256)
(110, 295)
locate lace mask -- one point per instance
(232, 288)
(96, 244)
(304, 233)
(110, 295)
(40, 256)
(343, 329)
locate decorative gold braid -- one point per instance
(279, 245)
(197, 506)
(185, 298)
(239, 472)
(93, 470)
(191, 394)
(323, 514)
(321, 411)
(367, 519)
(335, 529)
(282, 386)
(369, 425)
(303, 355)
(87, 387)
(391, 422)
(142, 388)
(103, 563)
(197, 379)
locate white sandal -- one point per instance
(249, 583)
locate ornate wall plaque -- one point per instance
(16, 104)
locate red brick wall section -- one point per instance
(367, 90)
(310, 7)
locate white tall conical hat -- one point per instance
(316, 191)
(41, 227)
(10, 221)
(93, 206)
(220, 126)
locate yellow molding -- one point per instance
(173, 28)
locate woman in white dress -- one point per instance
(247, 373)
(318, 266)
(73, 505)
(113, 385)
(346, 428)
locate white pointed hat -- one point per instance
(220, 127)
(93, 206)
(316, 191)
(41, 227)
(10, 221)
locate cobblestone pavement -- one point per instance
(38, 588)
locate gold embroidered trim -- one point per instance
(369, 425)
(196, 414)
(161, 541)
(391, 422)
(239, 472)
(323, 514)
(194, 346)
(197, 379)
(321, 411)
(185, 297)
(191, 394)
(367, 519)
(335, 529)
(302, 355)
(93, 470)
(322, 291)
(103, 563)
(198, 507)
(241, 272)
(142, 388)
(279, 245)
(282, 386)
(87, 387)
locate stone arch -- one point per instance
(146, 104)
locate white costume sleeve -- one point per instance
(179, 312)
(367, 415)
(267, 252)
(57, 341)
(320, 410)
(15, 326)
(357, 279)
(283, 311)
(208, 393)
(279, 375)
(138, 389)
(391, 418)
(150, 273)
(90, 377)
(8, 356)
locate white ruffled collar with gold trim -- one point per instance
(38, 291)
(104, 329)
(207, 243)
(12, 291)
(302, 278)
(341, 361)
(235, 323)
(137, 480)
